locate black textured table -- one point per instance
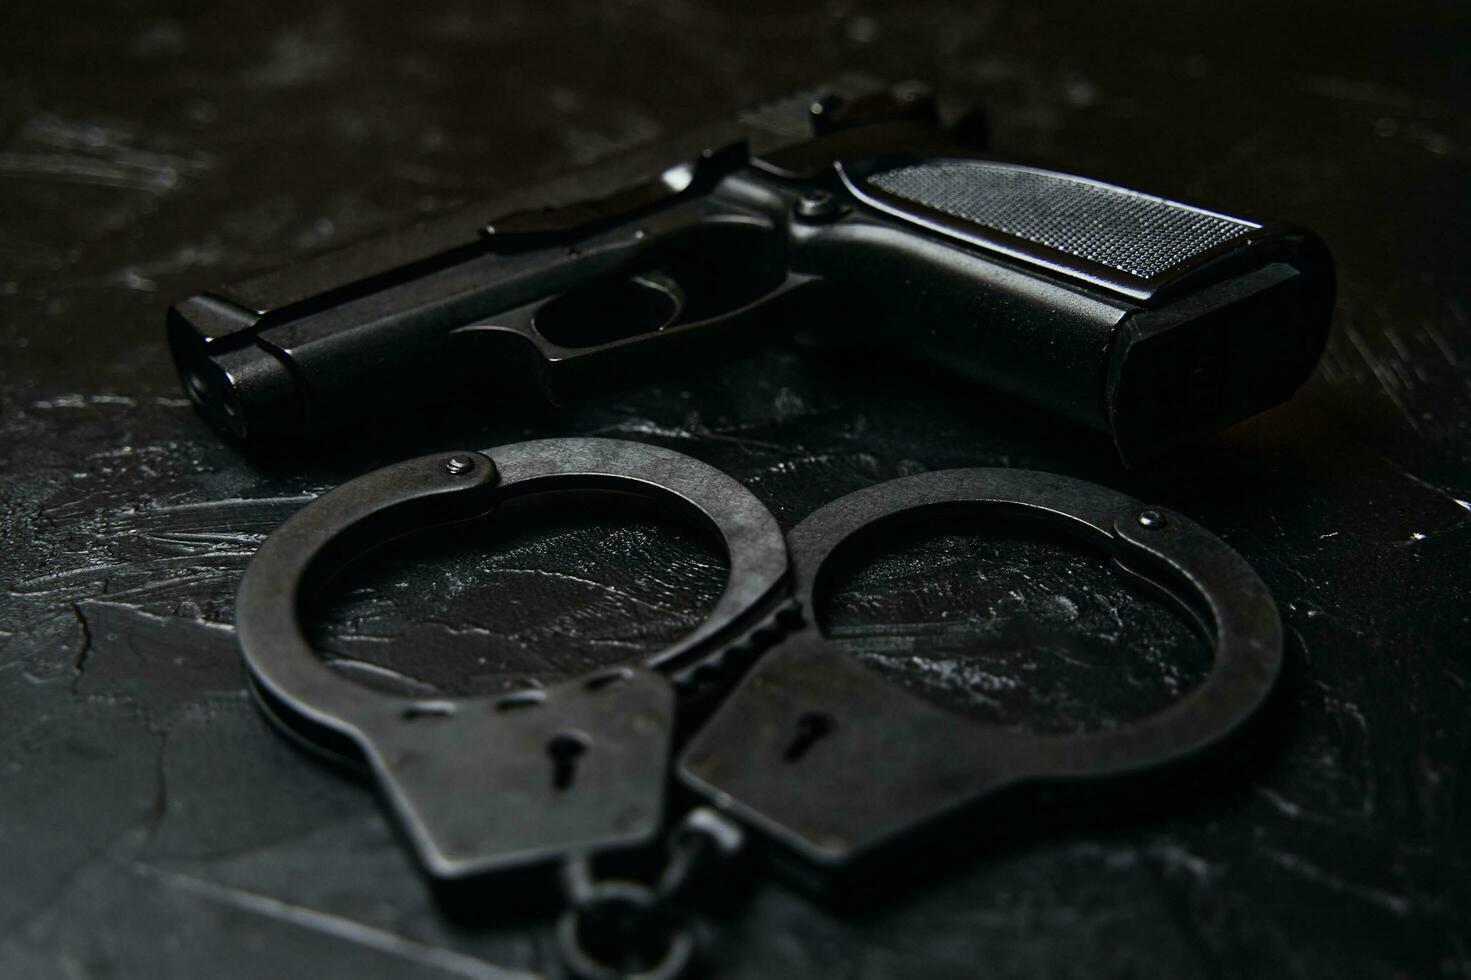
(152, 825)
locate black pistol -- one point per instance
(848, 212)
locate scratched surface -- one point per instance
(152, 825)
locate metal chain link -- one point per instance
(616, 929)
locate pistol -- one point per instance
(849, 213)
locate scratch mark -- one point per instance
(86, 401)
(1366, 93)
(1396, 904)
(28, 587)
(1281, 803)
(335, 926)
(1174, 857)
(84, 153)
(209, 505)
(696, 432)
(590, 583)
(1388, 382)
(161, 798)
(86, 649)
(85, 170)
(204, 537)
(1422, 482)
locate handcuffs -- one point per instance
(807, 748)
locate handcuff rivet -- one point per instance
(817, 205)
(1151, 519)
(459, 465)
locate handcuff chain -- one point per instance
(704, 837)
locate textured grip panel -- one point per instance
(1137, 233)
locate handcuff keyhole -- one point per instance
(566, 751)
(812, 727)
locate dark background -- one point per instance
(152, 825)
